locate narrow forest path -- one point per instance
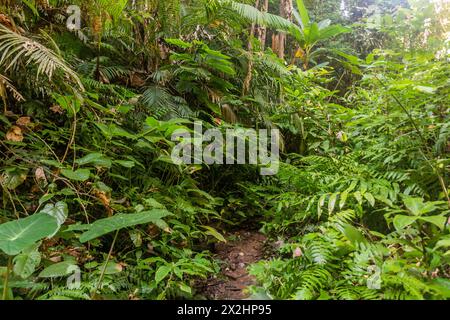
(244, 248)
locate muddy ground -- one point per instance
(243, 249)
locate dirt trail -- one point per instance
(235, 256)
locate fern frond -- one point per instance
(312, 281)
(15, 47)
(162, 104)
(5, 85)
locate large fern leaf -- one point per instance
(15, 47)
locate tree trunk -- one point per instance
(248, 78)
(262, 30)
(285, 12)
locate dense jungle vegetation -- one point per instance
(94, 207)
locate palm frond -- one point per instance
(261, 18)
(15, 47)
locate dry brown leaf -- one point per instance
(216, 23)
(97, 25)
(153, 231)
(136, 80)
(23, 121)
(105, 200)
(40, 176)
(57, 109)
(14, 134)
(35, 189)
(55, 259)
(74, 252)
(4, 20)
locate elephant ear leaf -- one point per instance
(26, 262)
(59, 211)
(20, 234)
(120, 221)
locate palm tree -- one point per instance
(306, 33)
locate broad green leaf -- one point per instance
(322, 200)
(125, 163)
(213, 232)
(90, 158)
(26, 262)
(77, 227)
(113, 130)
(324, 23)
(352, 186)
(96, 159)
(304, 15)
(111, 268)
(425, 89)
(438, 221)
(60, 269)
(162, 225)
(418, 207)
(136, 238)
(358, 197)
(31, 5)
(414, 205)
(313, 33)
(442, 243)
(332, 202)
(18, 235)
(353, 235)
(77, 175)
(59, 211)
(320, 204)
(162, 273)
(443, 286)
(117, 131)
(52, 163)
(343, 199)
(67, 192)
(369, 197)
(120, 221)
(12, 180)
(332, 31)
(46, 198)
(401, 221)
(185, 288)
